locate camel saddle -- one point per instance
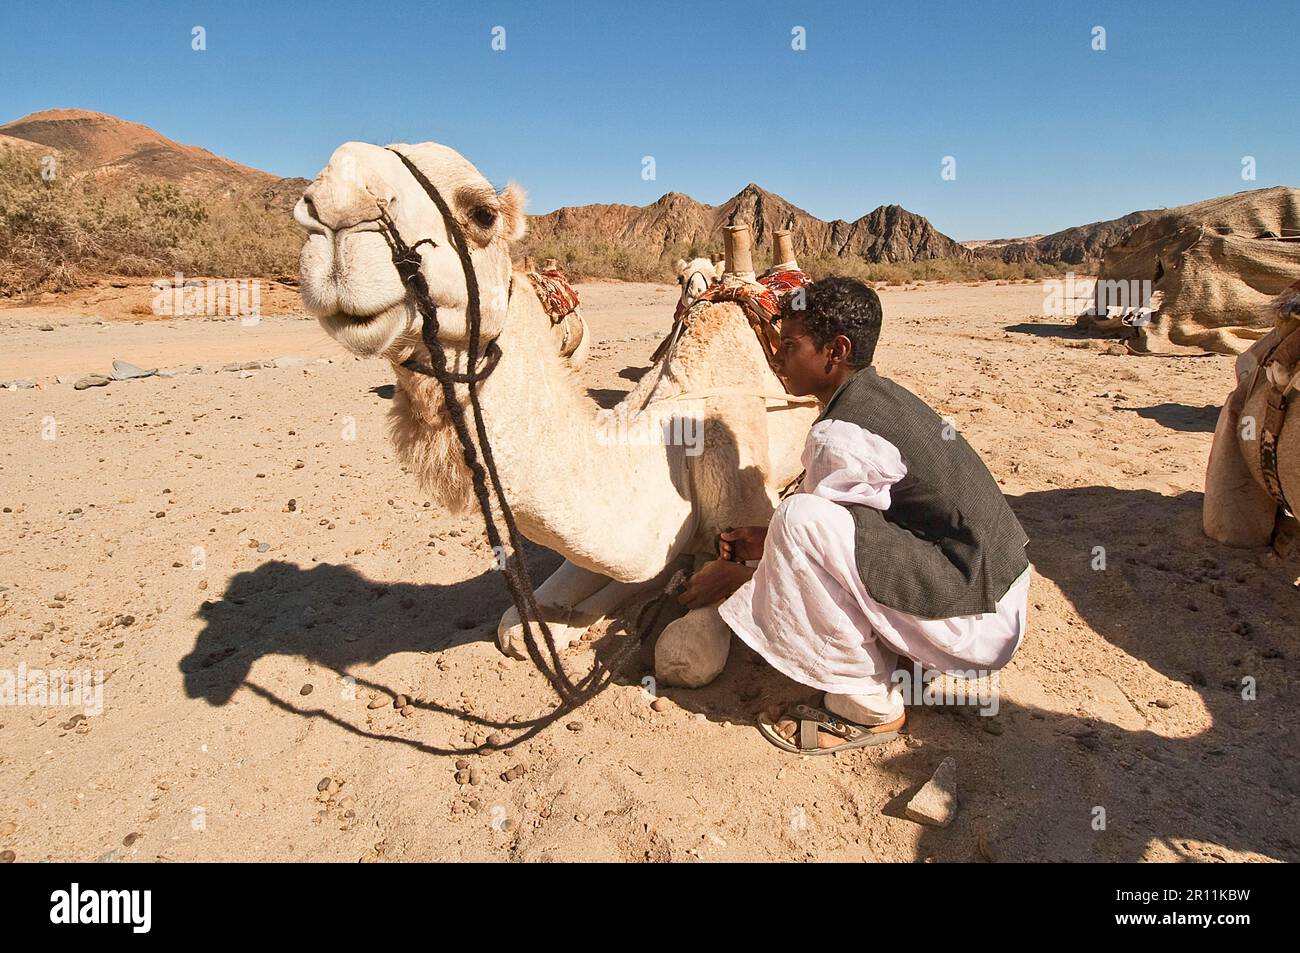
(555, 293)
(760, 301)
(561, 303)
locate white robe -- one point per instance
(808, 613)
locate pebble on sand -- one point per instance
(936, 803)
(305, 690)
(91, 380)
(660, 704)
(377, 702)
(7, 857)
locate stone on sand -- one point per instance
(90, 380)
(125, 371)
(936, 803)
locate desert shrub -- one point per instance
(56, 235)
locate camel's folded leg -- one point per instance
(692, 651)
(1236, 511)
(567, 587)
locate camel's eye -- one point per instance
(484, 216)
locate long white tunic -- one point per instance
(807, 611)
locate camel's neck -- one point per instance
(608, 498)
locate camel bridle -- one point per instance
(406, 259)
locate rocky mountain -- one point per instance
(1082, 244)
(888, 234)
(108, 147)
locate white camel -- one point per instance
(607, 490)
(695, 276)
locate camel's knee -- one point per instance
(692, 651)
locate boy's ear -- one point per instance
(514, 221)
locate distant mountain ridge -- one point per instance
(1079, 245)
(890, 233)
(108, 147)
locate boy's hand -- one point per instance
(713, 582)
(742, 543)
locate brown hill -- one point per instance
(1080, 245)
(108, 147)
(677, 223)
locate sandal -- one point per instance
(812, 720)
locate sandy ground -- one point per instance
(250, 579)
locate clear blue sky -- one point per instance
(1046, 132)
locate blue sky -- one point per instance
(1045, 131)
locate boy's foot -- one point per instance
(810, 730)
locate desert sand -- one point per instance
(242, 557)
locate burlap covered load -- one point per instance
(1218, 263)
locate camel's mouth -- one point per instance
(366, 335)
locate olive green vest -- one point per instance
(949, 544)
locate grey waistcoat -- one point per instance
(949, 544)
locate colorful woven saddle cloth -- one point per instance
(760, 301)
(556, 294)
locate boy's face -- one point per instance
(803, 367)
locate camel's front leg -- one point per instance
(563, 590)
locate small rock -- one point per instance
(475, 776)
(323, 784)
(461, 764)
(130, 839)
(497, 739)
(401, 701)
(125, 371)
(90, 380)
(936, 802)
(462, 777)
(407, 711)
(288, 361)
(660, 704)
(7, 856)
(25, 383)
(7, 828)
(1163, 703)
(305, 690)
(574, 726)
(377, 702)
(263, 547)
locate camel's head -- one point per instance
(695, 276)
(348, 280)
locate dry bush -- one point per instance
(57, 235)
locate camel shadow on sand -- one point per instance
(334, 617)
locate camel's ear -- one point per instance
(680, 266)
(514, 222)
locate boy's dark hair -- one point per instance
(834, 306)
